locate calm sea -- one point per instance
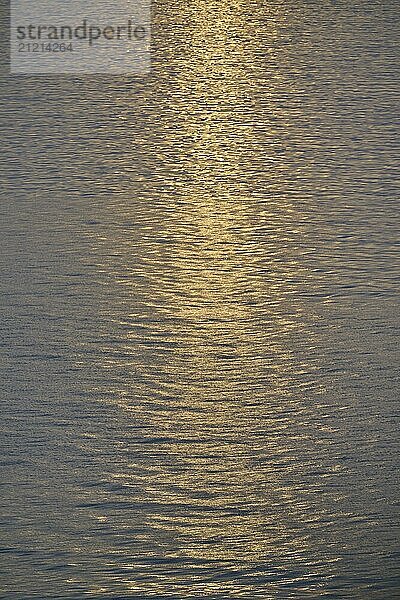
(199, 313)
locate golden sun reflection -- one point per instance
(218, 272)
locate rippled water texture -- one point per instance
(200, 280)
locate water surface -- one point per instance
(200, 281)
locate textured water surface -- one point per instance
(200, 281)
